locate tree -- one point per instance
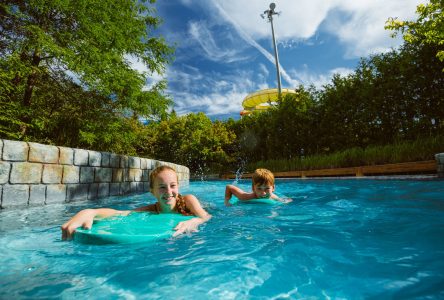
(88, 43)
(192, 140)
(428, 28)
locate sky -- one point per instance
(224, 49)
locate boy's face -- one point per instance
(263, 190)
(166, 189)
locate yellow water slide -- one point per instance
(261, 100)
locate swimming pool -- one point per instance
(338, 239)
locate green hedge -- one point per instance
(419, 150)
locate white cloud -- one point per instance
(298, 19)
(357, 24)
(217, 94)
(362, 31)
(319, 80)
(136, 64)
(248, 38)
(202, 34)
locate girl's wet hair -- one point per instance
(262, 177)
(156, 172)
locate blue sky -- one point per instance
(224, 48)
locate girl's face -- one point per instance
(263, 191)
(166, 189)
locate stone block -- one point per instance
(24, 172)
(15, 195)
(156, 163)
(95, 158)
(145, 175)
(149, 164)
(146, 186)
(133, 187)
(66, 156)
(93, 191)
(52, 173)
(80, 157)
(15, 150)
(71, 174)
(103, 190)
(114, 160)
(5, 168)
(37, 194)
(132, 174)
(55, 193)
(136, 174)
(114, 189)
(106, 159)
(86, 174)
(127, 175)
(139, 187)
(103, 175)
(118, 175)
(143, 163)
(124, 161)
(43, 153)
(125, 188)
(76, 192)
(134, 162)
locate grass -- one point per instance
(419, 150)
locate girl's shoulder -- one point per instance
(188, 197)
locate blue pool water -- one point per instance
(338, 239)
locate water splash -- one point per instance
(240, 171)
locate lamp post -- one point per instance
(269, 13)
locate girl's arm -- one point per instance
(85, 218)
(150, 207)
(202, 215)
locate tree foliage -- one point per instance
(389, 98)
(66, 79)
(427, 29)
(192, 140)
(61, 58)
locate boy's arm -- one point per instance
(283, 200)
(85, 219)
(239, 193)
(191, 225)
(228, 194)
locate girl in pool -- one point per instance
(165, 187)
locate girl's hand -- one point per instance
(83, 218)
(187, 226)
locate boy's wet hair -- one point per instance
(263, 177)
(156, 172)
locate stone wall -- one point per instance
(440, 164)
(36, 174)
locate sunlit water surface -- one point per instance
(338, 239)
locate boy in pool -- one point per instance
(165, 187)
(262, 185)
